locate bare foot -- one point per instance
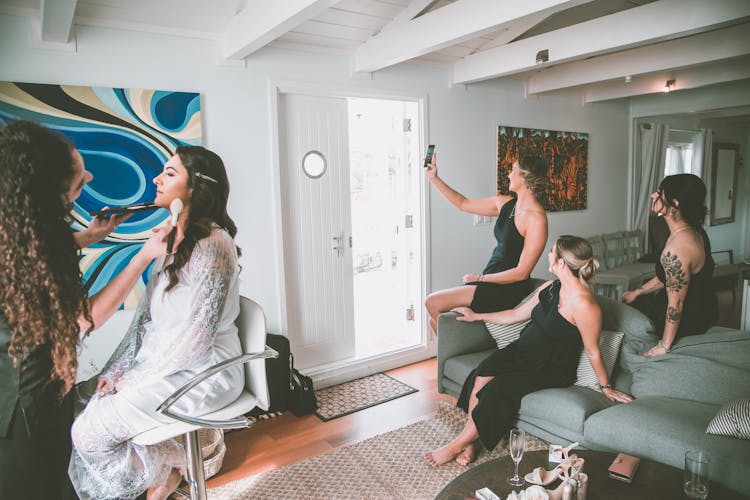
(441, 455)
(468, 454)
(162, 491)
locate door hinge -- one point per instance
(410, 313)
(408, 221)
(407, 124)
(350, 241)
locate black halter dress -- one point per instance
(546, 355)
(491, 297)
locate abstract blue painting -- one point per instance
(125, 136)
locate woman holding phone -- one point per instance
(521, 234)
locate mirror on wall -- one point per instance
(724, 171)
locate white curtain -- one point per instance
(678, 159)
(648, 170)
(702, 154)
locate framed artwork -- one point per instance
(566, 153)
(125, 136)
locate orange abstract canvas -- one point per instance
(566, 153)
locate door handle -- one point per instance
(338, 245)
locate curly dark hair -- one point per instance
(208, 203)
(686, 193)
(40, 281)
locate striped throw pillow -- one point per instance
(505, 334)
(609, 346)
(733, 420)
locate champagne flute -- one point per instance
(516, 446)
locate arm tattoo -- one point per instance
(676, 279)
(673, 314)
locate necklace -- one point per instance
(678, 230)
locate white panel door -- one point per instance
(317, 229)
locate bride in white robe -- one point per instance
(176, 333)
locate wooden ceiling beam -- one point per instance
(262, 21)
(446, 26)
(647, 24)
(687, 78)
(57, 20)
(694, 50)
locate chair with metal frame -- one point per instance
(251, 325)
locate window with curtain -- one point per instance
(686, 152)
(679, 159)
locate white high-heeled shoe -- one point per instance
(575, 465)
(543, 477)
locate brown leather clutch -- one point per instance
(623, 467)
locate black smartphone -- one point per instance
(428, 156)
(121, 210)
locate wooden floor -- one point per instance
(288, 439)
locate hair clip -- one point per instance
(205, 177)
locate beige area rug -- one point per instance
(388, 466)
(349, 397)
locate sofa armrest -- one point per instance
(459, 337)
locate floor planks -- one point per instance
(288, 439)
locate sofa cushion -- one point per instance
(458, 368)
(637, 327)
(609, 347)
(662, 429)
(733, 420)
(505, 334)
(567, 407)
(710, 368)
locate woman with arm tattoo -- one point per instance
(680, 299)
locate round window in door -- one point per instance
(314, 164)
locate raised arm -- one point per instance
(479, 206)
(521, 312)
(98, 229)
(106, 301)
(535, 240)
(587, 316)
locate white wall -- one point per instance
(462, 122)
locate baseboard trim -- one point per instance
(354, 368)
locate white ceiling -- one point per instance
(592, 45)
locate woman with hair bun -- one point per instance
(680, 299)
(565, 318)
(521, 234)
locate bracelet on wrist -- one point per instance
(605, 386)
(661, 344)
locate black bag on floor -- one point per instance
(279, 372)
(302, 400)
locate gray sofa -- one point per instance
(676, 394)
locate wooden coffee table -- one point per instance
(652, 481)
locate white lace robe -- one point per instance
(173, 336)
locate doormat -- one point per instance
(349, 397)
